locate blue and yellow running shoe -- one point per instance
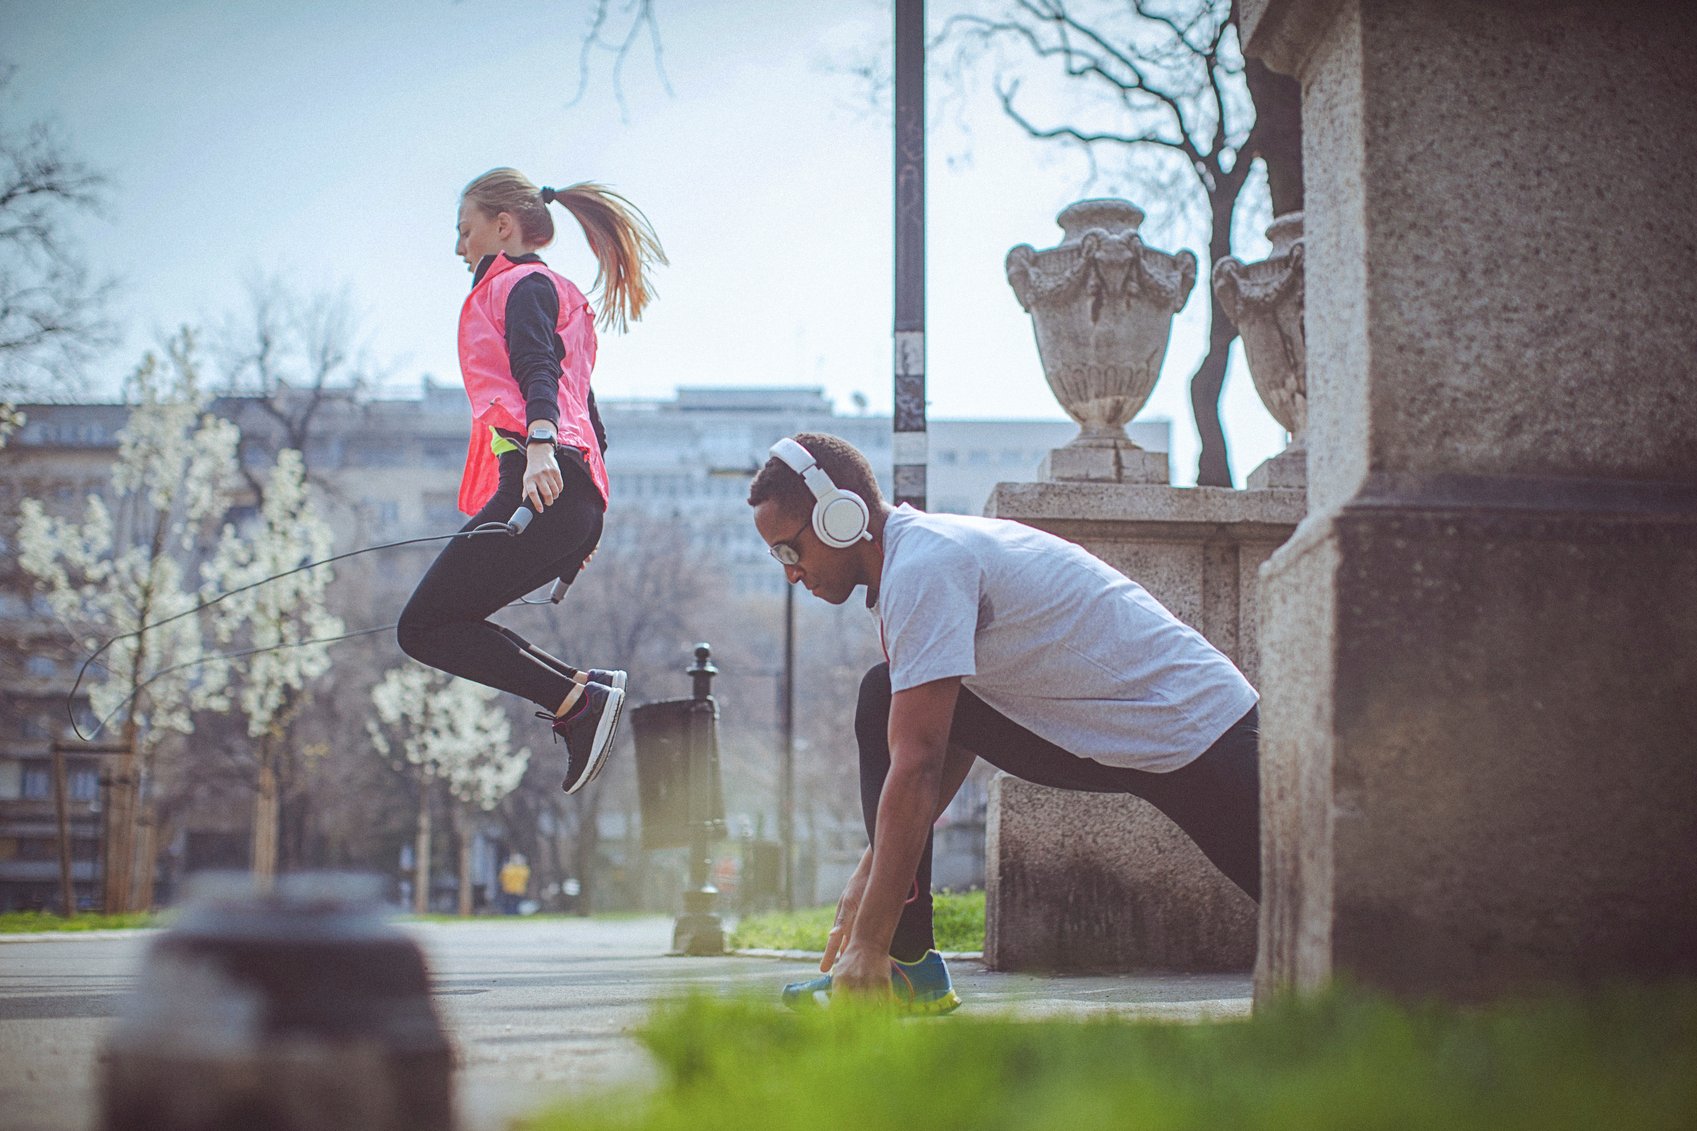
(922, 988)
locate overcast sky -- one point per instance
(328, 142)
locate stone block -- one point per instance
(1095, 881)
(1118, 463)
(1470, 311)
(1479, 740)
(1286, 471)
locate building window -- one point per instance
(388, 454)
(84, 783)
(37, 782)
(41, 667)
(33, 727)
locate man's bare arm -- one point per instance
(920, 765)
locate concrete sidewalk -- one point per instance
(537, 1008)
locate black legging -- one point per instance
(445, 623)
(1215, 799)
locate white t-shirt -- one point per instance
(1052, 637)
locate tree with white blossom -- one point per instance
(118, 577)
(10, 421)
(276, 619)
(438, 729)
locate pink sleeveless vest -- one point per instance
(496, 399)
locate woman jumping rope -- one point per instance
(527, 346)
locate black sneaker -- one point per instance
(588, 728)
(615, 678)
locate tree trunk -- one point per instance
(588, 840)
(421, 853)
(1278, 132)
(463, 830)
(120, 828)
(1214, 466)
(147, 856)
(265, 804)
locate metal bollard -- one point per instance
(698, 930)
(296, 1010)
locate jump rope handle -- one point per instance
(521, 519)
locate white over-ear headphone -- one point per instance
(840, 518)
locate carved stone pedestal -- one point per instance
(1102, 881)
(1109, 463)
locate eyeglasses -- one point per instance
(785, 551)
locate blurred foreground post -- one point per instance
(299, 1009)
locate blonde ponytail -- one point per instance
(619, 235)
(624, 245)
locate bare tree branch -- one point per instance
(283, 361)
(52, 310)
(1075, 134)
(601, 37)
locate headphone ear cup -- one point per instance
(840, 519)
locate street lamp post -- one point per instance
(909, 439)
(786, 777)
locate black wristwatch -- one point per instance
(542, 432)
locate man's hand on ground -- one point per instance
(862, 973)
(848, 906)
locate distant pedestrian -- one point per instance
(1004, 643)
(515, 883)
(527, 347)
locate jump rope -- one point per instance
(512, 528)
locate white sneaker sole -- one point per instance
(604, 731)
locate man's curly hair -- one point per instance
(837, 457)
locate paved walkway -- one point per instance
(536, 1007)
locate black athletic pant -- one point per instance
(1215, 799)
(446, 624)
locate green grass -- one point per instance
(958, 918)
(20, 922)
(1342, 1062)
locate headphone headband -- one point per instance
(840, 518)
(799, 460)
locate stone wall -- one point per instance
(1479, 739)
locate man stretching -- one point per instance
(1004, 643)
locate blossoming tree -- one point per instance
(117, 576)
(277, 614)
(438, 729)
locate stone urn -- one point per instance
(1102, 305)
(1265, 301)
